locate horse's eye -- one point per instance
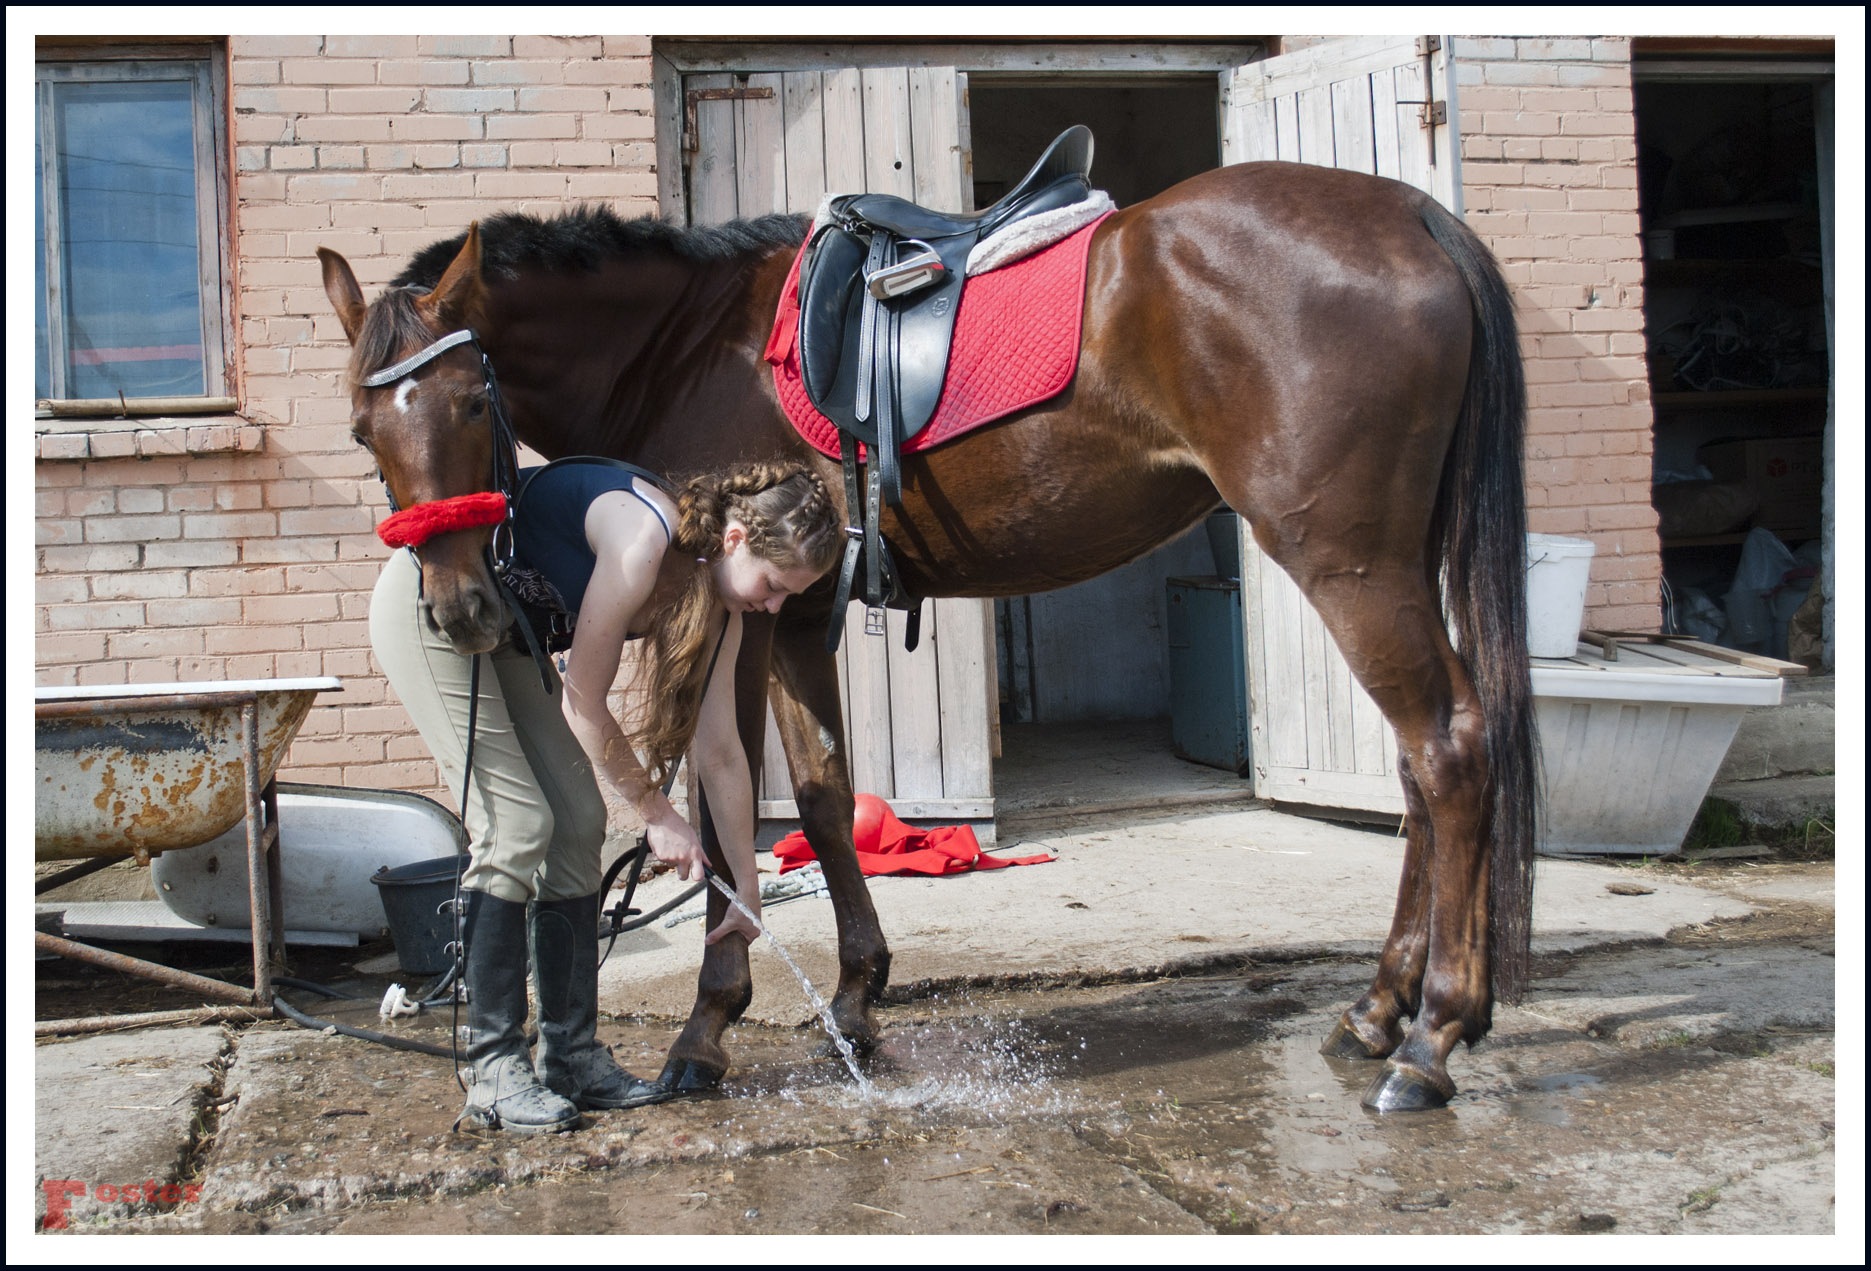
(477, 407)
(358, 439)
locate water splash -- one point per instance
(818, 1003)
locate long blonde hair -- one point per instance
(790, 521)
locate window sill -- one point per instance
(58, 440)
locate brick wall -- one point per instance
(1549, 179)
(244, 548)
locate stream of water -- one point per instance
(818, 1003)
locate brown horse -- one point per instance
(1331, 354)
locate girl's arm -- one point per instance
(721, 762)
(629, 543)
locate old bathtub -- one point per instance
(140, 769)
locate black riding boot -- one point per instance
(565, 967)
(504, 1091)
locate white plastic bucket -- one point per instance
(1557, 571)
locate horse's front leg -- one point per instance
(811, 725)
(725, 985)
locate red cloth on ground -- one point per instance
(1016, 344)
(887, 846)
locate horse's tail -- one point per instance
(1481, 520)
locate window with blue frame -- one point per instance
(128, 160)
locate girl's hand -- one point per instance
(738, 923)
(675, 843)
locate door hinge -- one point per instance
(1427, 44)
(1434, 114)
(691, 142)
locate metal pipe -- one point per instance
(146, 1019)
(53, 881)
(219, 990)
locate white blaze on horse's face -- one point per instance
(404, 392)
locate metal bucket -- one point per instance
(415, 904)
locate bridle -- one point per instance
(411, 527)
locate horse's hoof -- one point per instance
(1399, 1089)
(1345, 1043)
(861, 1048)
(690, 1077)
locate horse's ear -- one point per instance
(456, 300)
(341, 286)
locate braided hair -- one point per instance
(790, 521)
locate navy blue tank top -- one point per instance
(552, 559)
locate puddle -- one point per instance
(1186, 1105)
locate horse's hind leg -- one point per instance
(1372, 1027)
(1388, 624)
(811, 723)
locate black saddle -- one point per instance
(878, 293)
(881, 285)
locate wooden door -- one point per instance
(919, 725)
(1379, 104)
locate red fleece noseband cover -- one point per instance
(412, 527)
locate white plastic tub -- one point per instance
(1630, 747)
(1557, 572)
(331, 841)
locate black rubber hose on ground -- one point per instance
(297, 1016)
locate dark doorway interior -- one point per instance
(1094, 658)
(1735, 325)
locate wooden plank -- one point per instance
(1332, 60)
(964, 668)
(713, 196)
(1675, 646)
(916, 720)
(887, 141)
(1286, 128)
(946, 810)
(1284, 635)
(964, 137)
(760, 149)
(1387, 132)
(1315, 682)
(1315, 126)
(775, 781)
(802, 105)
(1340, 710)
(1353, 130)
(1335, 790)
(867, 706)
(935, 138)
(1413, 165)
(842, 103)
(666, 90)
(1369, 731)
(1042, 57)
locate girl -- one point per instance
(625, 559)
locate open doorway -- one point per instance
(1735, 208)
(1085, 672)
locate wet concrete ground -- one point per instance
(1674, 1081)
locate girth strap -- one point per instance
(864, 541)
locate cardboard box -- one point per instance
(1787, 472)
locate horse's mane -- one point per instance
(582, 237)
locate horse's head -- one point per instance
(431, 427)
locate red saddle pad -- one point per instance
(1016, 344)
